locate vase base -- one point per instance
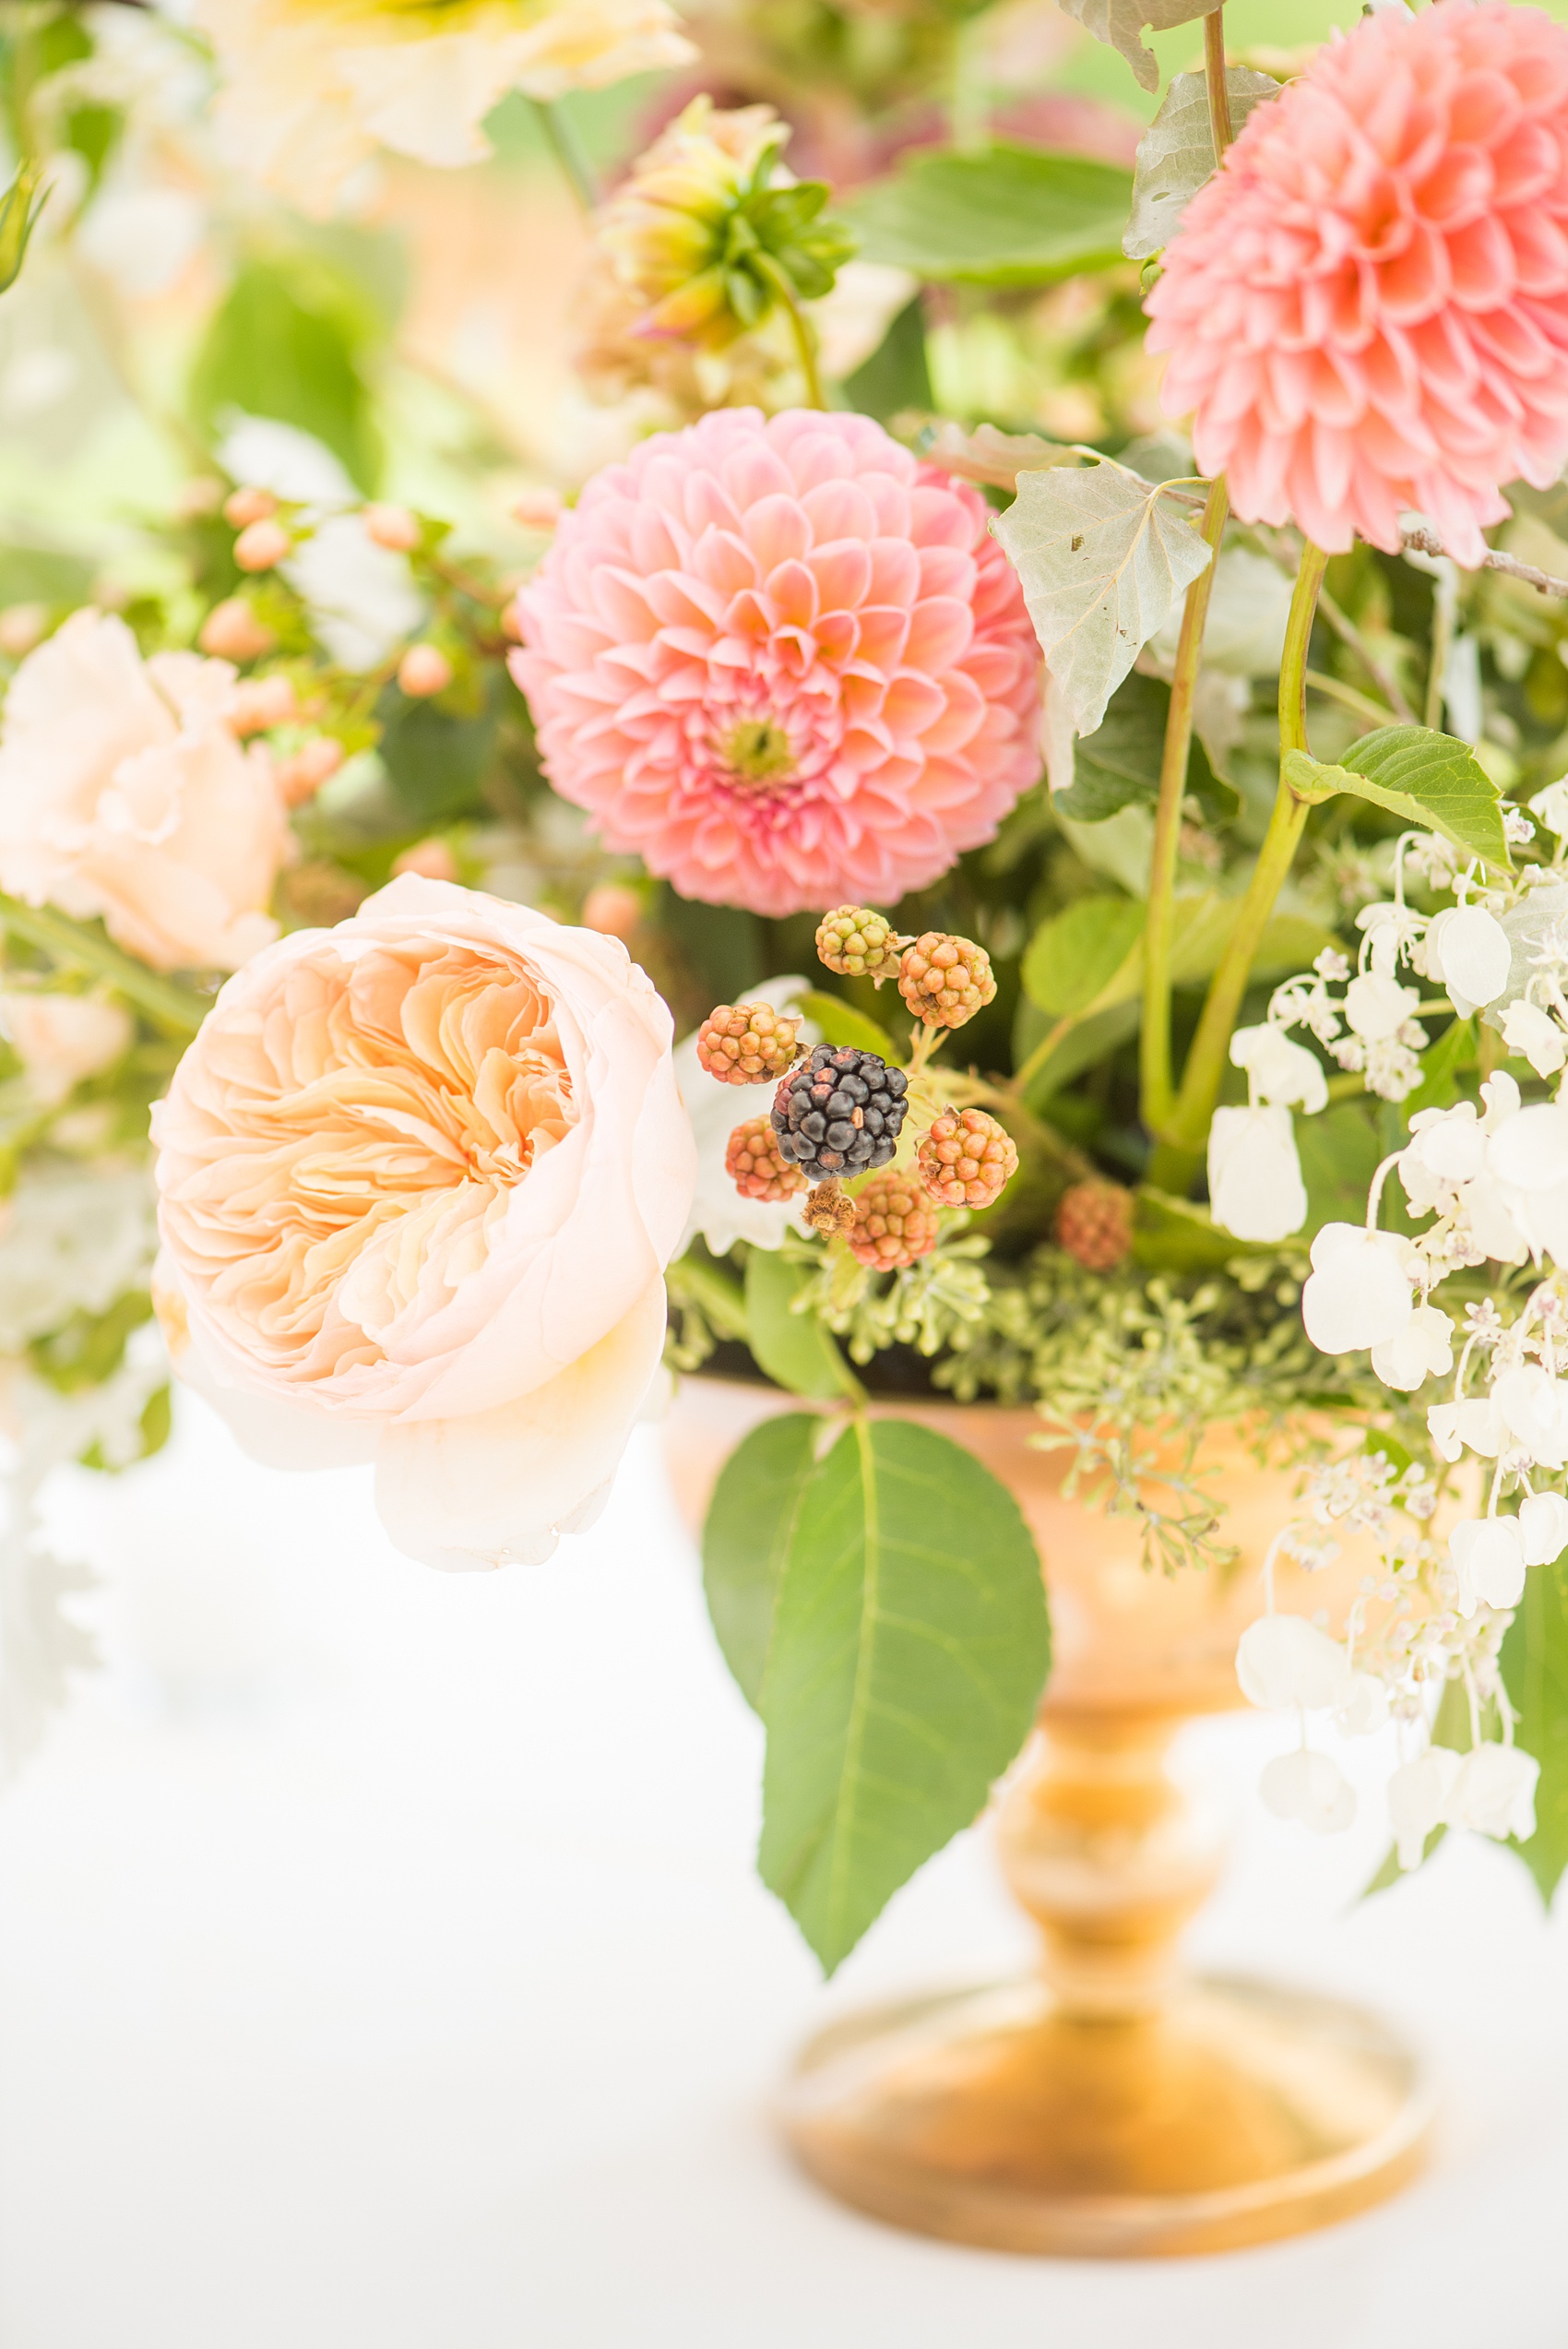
(1237, 2114)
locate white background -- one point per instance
(382, 1967)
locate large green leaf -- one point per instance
(1119, 764)
(283, 345)
(1535, 1672)
(1430, 778)
(1339, 1153)
(751, 1526)
(1008, 215)
(909, 1647)
(842, 1024)
(792, 1348)
(897, 376)
(1073, 958)
(1093, 1039)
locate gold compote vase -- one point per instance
(1110, 2104)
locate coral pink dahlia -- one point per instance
(782, 661)
(1367, 307)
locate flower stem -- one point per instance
(1160, 923)
(565, 144)
(1206, 1062)
(800, 324)
(1214, 74)
(65, 943)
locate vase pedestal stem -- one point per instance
(1110, 2105)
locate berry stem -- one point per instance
(1161, 921)
(923, 1042)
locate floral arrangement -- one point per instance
(1090, 608)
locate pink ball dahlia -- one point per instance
(782, 661)
(1367, 307)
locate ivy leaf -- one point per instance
(750, 1524)
(1176, 153)
(910, 1645)
(793, 1349)
(1008, 215)
(1120, 22)
(1535, 1672)
(1430, 778)
(1104, 557)
(1071, 959)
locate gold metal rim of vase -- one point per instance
(1238, 2113)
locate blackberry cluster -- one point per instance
(840, 1113)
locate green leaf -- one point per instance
(1008, 215)
(1441, 1064)
(1428, 779)
(1176, 153)
(1119, 763)
(793, 1349)
(282, 345)
(909, 1647)
(1535, 1672)
(1175, 1235)
(842, 1024)
(1104, 558)
(436, 763)
(1339, 1154)
(751, 1525)
(897, 376)
(1073, 958)
(1093, 1039)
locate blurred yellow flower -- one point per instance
(312, 87)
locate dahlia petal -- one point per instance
(940, 632)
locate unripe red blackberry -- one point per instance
(754, 1163)
(840, 1112)
(1094, 1222)
(946, 981)
(966, 1158)
(895, 1222)
(858, 944)
(748, 1043)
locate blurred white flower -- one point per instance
(1477, 1423)
(1468, 949)
(1543, 1527)
(1535, 1407)
(1493, 1791)
(362, 599)
(1358, 1293)
(1376, 1007)
(61, 1039)
(314, 87)
(1528, 1029)
(1311, 1789)
(1283, 1074)
(1423, 1348)
(1489, 1558)
(1254, 1176)
(1284, 1660)
(1418, 1800)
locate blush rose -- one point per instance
(418, 1177)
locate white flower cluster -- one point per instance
(1492, 1181)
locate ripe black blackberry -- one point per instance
(839, 1112)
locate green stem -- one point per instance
(1219, 128)
(800, 325)
(1159, 923)
(565, 144)
(723, 1301)
(1024, 1076)
(1206, 1063)
(65, 942)
(1334, 689)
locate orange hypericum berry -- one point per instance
(966, 1158)
(946, 981)
(748, 1043)
(895, 1222)
(754, 1163)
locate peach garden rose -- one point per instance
(125, 793)
(418, 1177)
